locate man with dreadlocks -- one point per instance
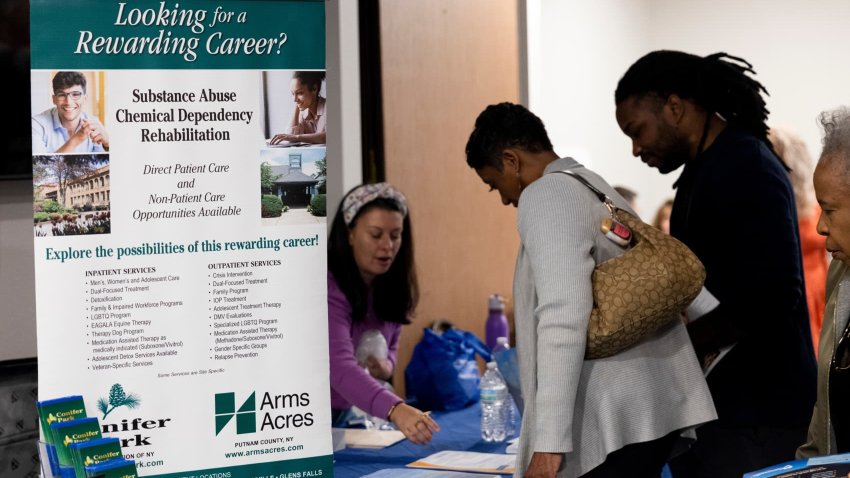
(734, 208)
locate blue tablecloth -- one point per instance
(461, 431)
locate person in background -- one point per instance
(308, 119)
(629, 195)
(66, 128)
(371, 285)
(611, 417)
(829, 431)
(708, 114)
(791, 148)
(662, 216)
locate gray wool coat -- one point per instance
(587, 409)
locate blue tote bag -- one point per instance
(443, 373)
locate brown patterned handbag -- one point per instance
(641, 290)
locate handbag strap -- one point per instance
(599, 194)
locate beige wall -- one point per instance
(579, 50)
(443, 62)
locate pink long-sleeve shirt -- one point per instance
(351, 384)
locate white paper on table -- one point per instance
(513, 446)
(338, 437)
(468, 461)
(704, 303)
(362, 438)
(419, 473)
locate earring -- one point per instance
(518, 182)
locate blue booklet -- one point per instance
(837, 466)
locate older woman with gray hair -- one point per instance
(829, 431)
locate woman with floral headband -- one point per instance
(371, 286)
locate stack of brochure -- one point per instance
(819, 467)
(73, 446)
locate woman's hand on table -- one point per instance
(416, 425)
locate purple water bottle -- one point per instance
(497, 323)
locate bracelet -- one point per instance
(392, 409)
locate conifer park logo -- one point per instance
(225, 410)
(117, 398)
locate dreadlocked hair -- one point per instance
(719, 83)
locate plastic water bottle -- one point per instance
(502, 345)
(494, 394)
(511, 410)
(497, 323)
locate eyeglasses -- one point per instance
(74, 95)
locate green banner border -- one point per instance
(274, 468)
(87, 34)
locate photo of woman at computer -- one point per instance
(307, 124)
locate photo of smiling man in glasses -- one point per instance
(66, 128)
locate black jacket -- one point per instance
(735, 209)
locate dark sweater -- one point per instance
(735, 209)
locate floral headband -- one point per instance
(363, 195)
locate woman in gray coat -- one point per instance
(617, 416)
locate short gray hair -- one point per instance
(836, 136)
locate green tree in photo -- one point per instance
(267, 178)
(318, 205)
(50, 205)
(64, 170)
(271, 206)
(117, 398)
(322, 175)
